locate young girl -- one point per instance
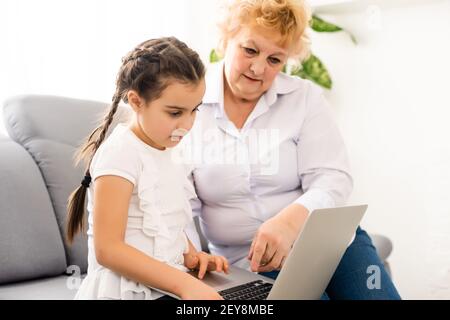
(136, 194)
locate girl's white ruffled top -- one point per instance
(158, 213)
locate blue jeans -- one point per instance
(351, 280)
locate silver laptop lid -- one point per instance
(316, 253)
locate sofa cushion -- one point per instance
(31, 244)
(55, 288)
(382, 244)
(51, 129)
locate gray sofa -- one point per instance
(37, 174)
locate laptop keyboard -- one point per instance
(255, 290)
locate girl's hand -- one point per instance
(197, 290)
(203, 262)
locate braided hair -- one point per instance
(147, 70)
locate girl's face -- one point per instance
(252, 60)
(163, 122)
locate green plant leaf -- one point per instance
(214, 57)
(314, 70)
(320, 25)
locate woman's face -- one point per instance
(252, 60)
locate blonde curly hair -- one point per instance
(290, 18)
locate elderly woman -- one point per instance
(267, 151)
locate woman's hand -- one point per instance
(275, 237)
(203, 262)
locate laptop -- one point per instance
(309, 266)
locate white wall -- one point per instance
(391, 97)
(74, 48)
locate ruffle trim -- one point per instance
(105, 284)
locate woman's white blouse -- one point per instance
(158, 212)
(288, 151)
